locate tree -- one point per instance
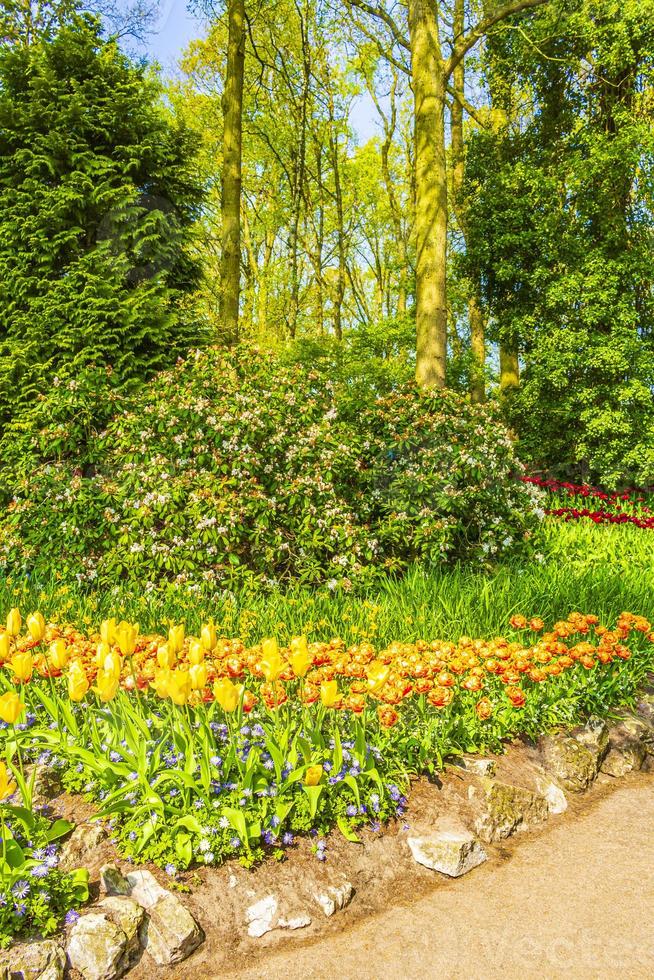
(97, 199)
(562, 232)
(230, 269)
(434, 52)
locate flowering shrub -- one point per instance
(234, 468)
(617, 507)
(200, 748)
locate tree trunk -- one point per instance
(478, 349)
(509, 371)
(429, 90)
(230, 271)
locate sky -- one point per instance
(175, 26)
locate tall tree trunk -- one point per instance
(509, 370)
(475, 311)
(429, 91)
(230, 270)
(341, 275)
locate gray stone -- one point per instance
(145, 889)
(452, 851)
(640, 730)
(113, 881)
(479, 767)
(554, 797)
(263, 916)
(128, 916)
(624, 757)
(35, 961)
(508, 808)
(332, 898)
(171, 933)
(76, 851)
(594, 735)
(572, 764)
(97, 947)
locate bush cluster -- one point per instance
(234, 468)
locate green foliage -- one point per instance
(34, 894)
(234, 468)
(561, 234)
(97, 196)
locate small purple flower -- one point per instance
(40, 871)
(235, 843)
(21, 889)
(351, 811)
(71, 916)
(288, 838)
(171, 870)
(275, 821)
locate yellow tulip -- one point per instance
(106, 685)
(272, 664)
(126, 637)
(161, 682)
(198, 674)
(329, 693)
(226, 694)
(14, 622)
(176, 638)
(166, 656)
(36, 626)
(195, 652)
(22, 665)
(300, 657)
(11, 707)
(179, 687)
(377, 674)
(7, 784)
(313, 776)
(208, 635)
(101, 652)
(108, 631)
(5, 646)
(78, 682)
(58, 654)
(112, 664)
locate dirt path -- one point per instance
(577, 901)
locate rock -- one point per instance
(554, 797)
(507, 808)
(332, 898)
(626, 754)
(145, 889)
(263, 916)
(479, 767)
(594, 735)
(641, 730)
(76, 851)
(47, 783)
(97, 947)
(171, 933)
(645, 708)
(35, 961)
(451, 850)
(113, 881)
(128, 916)
(573, 765)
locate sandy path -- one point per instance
(577, 901)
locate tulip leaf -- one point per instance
(347, 831)
(314, 793)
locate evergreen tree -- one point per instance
(97, 201)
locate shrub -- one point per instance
(233, 468)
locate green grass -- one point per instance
(603, 570)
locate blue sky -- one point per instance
(175, 26)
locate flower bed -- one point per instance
(200, 748)
(600, 507)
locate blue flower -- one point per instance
(288, 839)
(171, 870)
(40, 871)
(21, 889)
(351, 810)
(71, 916)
